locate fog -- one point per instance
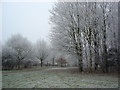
(28, 19)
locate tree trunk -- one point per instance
(53, 62)
(19, 63)
(79, 49)
(104, 42)
(96, 51)
(41, 62)
(96, 39)
(19, 66)
(90, 47)
(80, 65)
(90, 68)
(105, 59)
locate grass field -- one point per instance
(56, 78)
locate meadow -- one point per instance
(57, 78)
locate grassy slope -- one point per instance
(56, 79)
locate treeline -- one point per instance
(19, 53)
(88, 31)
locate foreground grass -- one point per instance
(49, 78)
(0, 79)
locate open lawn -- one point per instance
(56, 78)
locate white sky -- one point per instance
(30, 19)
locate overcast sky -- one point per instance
(30, 19)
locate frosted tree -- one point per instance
(21, 47)
(41, 51)
(83, 30)
(8, 58)
(66, 34)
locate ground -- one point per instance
(54, 77)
